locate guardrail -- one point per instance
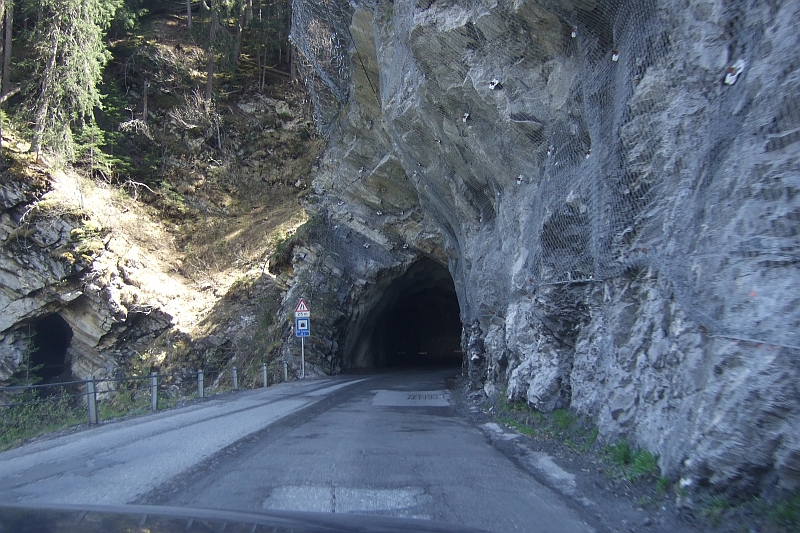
(57, 405)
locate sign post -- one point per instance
(302, 329)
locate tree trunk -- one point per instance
(279, 25)
(44, 100)
(2, 91)
(7, 48)
(211, 37)
(189, 14)
(144, 102)
(258, 56)
(249, 13)
(264, 72)
(237, 51)
(292, 65)
(2, 14)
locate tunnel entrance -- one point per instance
(415, 322)
(51, 338)
(423, 328)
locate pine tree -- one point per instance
(71, 49)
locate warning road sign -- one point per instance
(302, 310)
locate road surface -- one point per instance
(388, 444)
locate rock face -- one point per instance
(55, 260)
(613, 187)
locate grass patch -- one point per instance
(786, 512)
(643, 463)
(561, 418)
(632, 464)
(22, 422)
(662, 485)
(171, 401)
(714, 509)
(589, 438)
(124, 403)
(620, 452)
(559, 425)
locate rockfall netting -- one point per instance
(321, 35)
(675, 146)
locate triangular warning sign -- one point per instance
(301, 307)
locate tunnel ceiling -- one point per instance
(411, 319)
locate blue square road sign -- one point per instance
(302, 327)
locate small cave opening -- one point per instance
(414, 323)
(51, 338)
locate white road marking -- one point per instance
(333, 388)
(428, 398)
(327, 499)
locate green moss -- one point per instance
(561, 418)
(89, 249)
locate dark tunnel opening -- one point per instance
(52, 336)
(422, 329)
(416, 322)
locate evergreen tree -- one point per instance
(70, 48)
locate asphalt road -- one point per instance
(381, 444)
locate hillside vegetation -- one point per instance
(194, 183)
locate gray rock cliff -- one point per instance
(611, 185)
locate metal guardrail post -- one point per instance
(91, 399)
(264, 374)
(285, 371)
(153, 391)
(201, 389)
(235, 379)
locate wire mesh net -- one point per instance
(661, 153)
(321, 35)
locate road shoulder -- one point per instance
(584, 480)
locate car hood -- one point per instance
(33, 518)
